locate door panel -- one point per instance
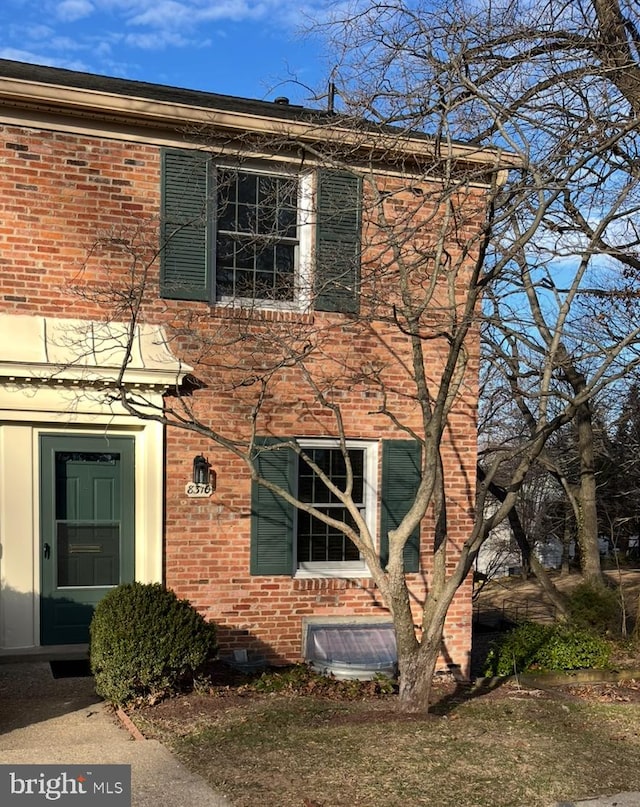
(87, 524)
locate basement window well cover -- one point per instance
(352, 651)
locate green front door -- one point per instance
(87, 529)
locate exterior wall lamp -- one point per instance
(203, 480)
(201, 470)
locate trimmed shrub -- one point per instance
(595, 607)
(532, 646)
(146, 643)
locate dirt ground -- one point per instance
(509, 592)
(227, 688)
(181, 715)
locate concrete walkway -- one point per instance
(48, 721)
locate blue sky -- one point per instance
(251, 48)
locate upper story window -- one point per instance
(259, 235)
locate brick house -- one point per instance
(104, 183)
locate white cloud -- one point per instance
(177, 16)
(18, 55)
(36, 32)
(33, 57)
(64, 44)
(188, 14)
(103, 49)
(72, 10)
(156, 40)
(169, 13)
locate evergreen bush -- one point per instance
(532, 646)
(596, 607)
(146, 643)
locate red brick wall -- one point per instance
(57, 192)
(73, 210)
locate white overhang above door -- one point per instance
(45, 350)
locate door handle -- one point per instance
(47, 551)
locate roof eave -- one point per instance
(151, 113)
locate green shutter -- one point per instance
(401, 473)
(185, 269)
(337, 273)
(272, 517)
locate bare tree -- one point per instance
(519, 217)
(557, 85)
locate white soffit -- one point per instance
(48, 349)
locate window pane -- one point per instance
(268, 222)
(304, 544)
(224, 281)
(226, 216)
(247, 188)
(226, 187)
(318, 549)
(351, 552)
(287, 222)
(245, 254)
(264, 259)
(305, 487)
(334, 548)
(268, 191)
(226, 249)
(246, 219)
(264, 285)
(284, 258)
(322, 458)
(88, 554)
(284, 287)
(288, 193)
(357, 464)
(244, 283)
(331, 462)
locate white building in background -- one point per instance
(499, 556)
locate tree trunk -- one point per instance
(521, 539)
(585, 491)
(417, 659)
(587, 509)
(567, 537)
(416, 678)
(553, 593)
(615, 50)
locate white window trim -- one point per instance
(303, 274)
(346, 569)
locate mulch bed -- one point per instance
(227, 689)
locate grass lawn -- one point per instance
(319, 744)
(512, 747)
